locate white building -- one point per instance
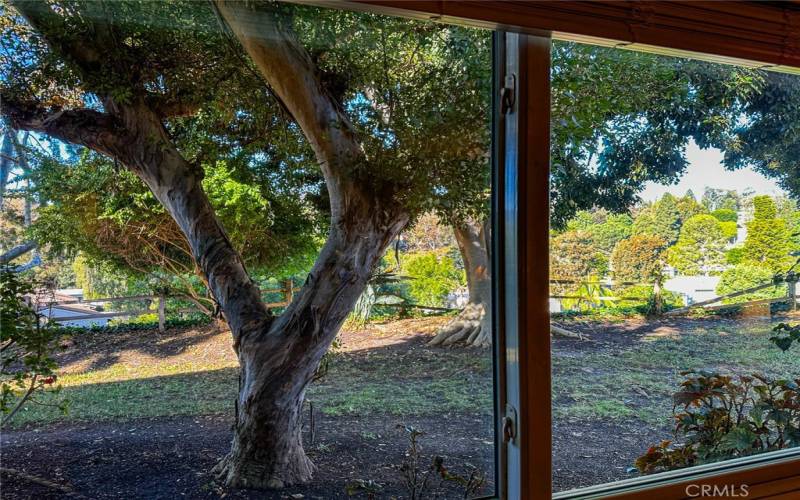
(693, 288)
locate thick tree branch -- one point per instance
(17, 251)
(285, 64)
(87, 127)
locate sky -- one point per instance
(705, 169)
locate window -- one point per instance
(351, 125)
(673, 315)
(526, 304)
(311, 212)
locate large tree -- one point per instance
(372, 97)
(700, 248)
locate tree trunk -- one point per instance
(267, 449)
(473, 326)
(16, 252)
(6, 161)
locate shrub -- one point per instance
(574, 256)
(730, 230)
(769, 239)
(725, 215)
(723, 417)
(734, 256)
(639, 259)
(432, 275)
(669, 300)
(26, 345)
(700, 248)
(744, 276)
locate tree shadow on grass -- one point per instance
(87, 351)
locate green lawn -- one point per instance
(390, 382)
(638, 379)
(611, 381)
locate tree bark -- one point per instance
(473, 326)
(6, 161)
(16, 252)
(267, 450)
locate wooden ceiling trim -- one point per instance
(761, 33)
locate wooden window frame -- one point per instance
(757, 35)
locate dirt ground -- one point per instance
(171, 457)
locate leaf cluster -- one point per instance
(724, 416)
(27, 343)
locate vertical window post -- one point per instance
(522, 176)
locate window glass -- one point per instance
(257, 237)
(674, 250)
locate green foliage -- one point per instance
(785, 335)
(662, 219)
(432, 275)
(646, 303)
(744, 276)
(734, 256)
(573, 257)
(768, 140)
(382, 289)
(764, 208)
(688, 207)
(723, 417)
(639, 259)
(112, 218)
(99, 279)
(721, 199)
(769, 241)
(729, 229)
(27, 343)
(606, 230)
(700, 248)
(621, 119)
(395, 79)
(590, 294)
(726, 215)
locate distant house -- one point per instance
(693, 288)
(69, 305)
(62, 312)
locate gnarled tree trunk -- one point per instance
(276, 368)
(473, 325)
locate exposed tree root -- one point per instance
(466, 328)
(557, 331)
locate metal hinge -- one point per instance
(510, 425)
(508, 94)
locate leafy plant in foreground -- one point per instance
(26, 345)
(785, 336)
(724, 416)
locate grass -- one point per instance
(637, 380)
(378, 382)
(627, 381)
